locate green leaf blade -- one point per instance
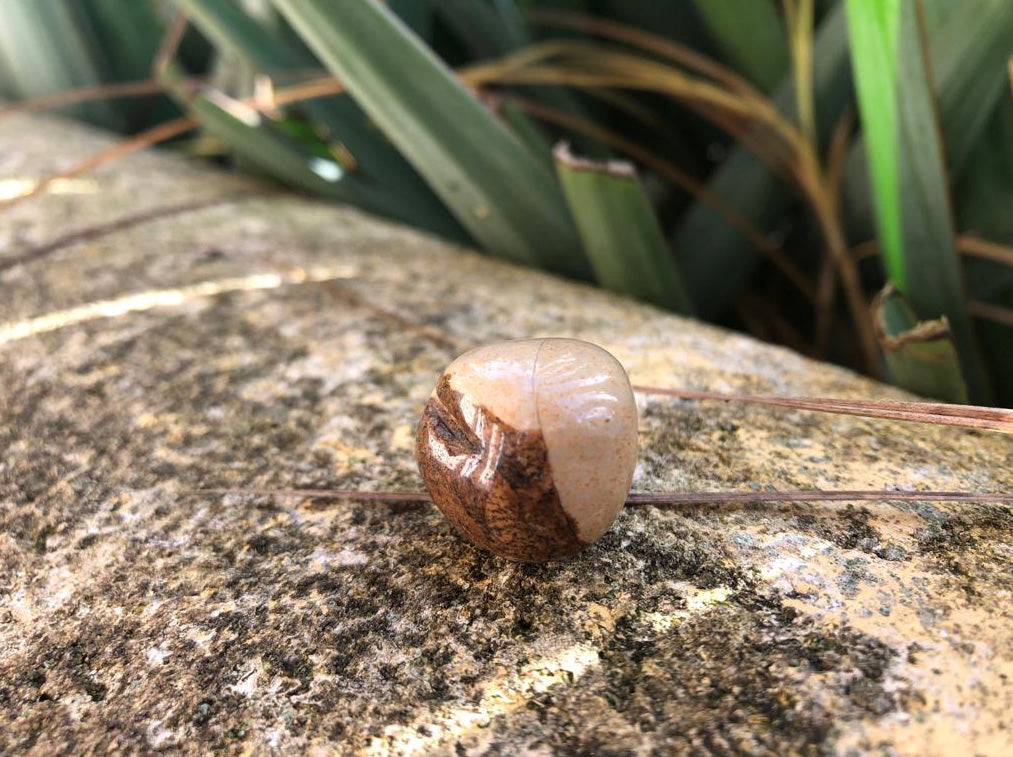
(905, 151)
(250, 135)
(409, 199)
(46, 51)
(621, 235)
(496, 189)
(969, 44)
(921, 356)
(751, 35)
(715, 257)
(276, 149)
(872, 33)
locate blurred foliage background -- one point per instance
(831, 175)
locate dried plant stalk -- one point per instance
(934, 413)
(651, 498)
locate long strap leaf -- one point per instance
(905, 150)
(751, 35)
(398, 190)
(620, 231)
(498, 191)
(716, 258)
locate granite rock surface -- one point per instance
(166, 328)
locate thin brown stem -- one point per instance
(153, 136)
(837, 152)
(967, 244)
(349, 494)
(318, 86)
(321, 87)
(815, 189)
(814, 495)
(990, 312)
(645, 41)
(831, 191)
(647, 498)
(799, 17)
(850, 283)
(863, 250)
(934, 413)
(84, 94)
(825, 300)
(985, 249)
(170, 44)
(827, 296)
(100, 230)
(585, 64)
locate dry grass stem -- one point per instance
(646, 41)
(933, 413)
(812, 495)
(799, 17)
(968, 244)
(646, 498)
(990, 312)
(170, 44)
(152, 136)
(84, 94)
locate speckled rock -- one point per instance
(264, 341)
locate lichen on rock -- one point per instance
(268, 342)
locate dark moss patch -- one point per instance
(686, 437)
(854, 574)
(962, 547)
(79, 662)
(845, 650)
(698, 700)
(86, 541)
(203, 712)
(42, 537)
(850, 528)
(686, 554)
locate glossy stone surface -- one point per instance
(588, 418)
(529, 446)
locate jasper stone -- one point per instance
(529, 446)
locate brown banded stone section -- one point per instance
(514, 512)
